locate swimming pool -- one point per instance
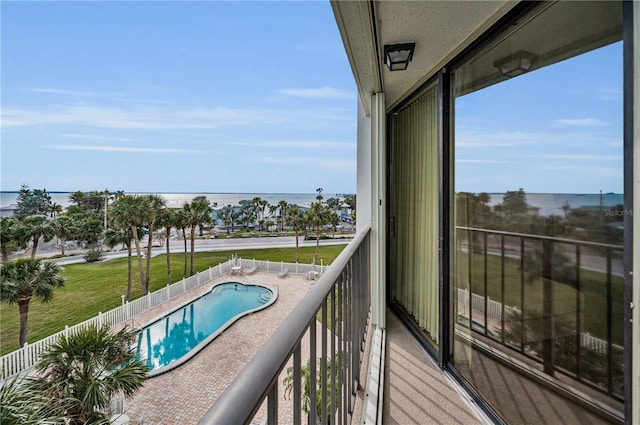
(178, 336)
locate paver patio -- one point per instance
(183, 395)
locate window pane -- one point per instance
(537, 261)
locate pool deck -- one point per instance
(183, 395)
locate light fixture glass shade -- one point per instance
(516, 64)
(398, 56)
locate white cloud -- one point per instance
(62, 92)
(316, 93)
(582, 122)
(299, 144)
(581, 157)
(306, 162)
(119, 149)
(478, 161)
(155, 118)
(97, 137)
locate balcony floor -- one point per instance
(415, 389)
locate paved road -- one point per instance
(177, 246)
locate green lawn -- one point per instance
(96, 287)
(593, 297)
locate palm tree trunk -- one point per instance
(139, 253)
(5, 253)
(184, 238)
(193, 249)
(36, 239)
(317, 244)
(168, 258)
(23, 307)
(149, 246)
(297, 249)
(129, 271)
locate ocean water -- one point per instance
(549, 203)
(177, 200)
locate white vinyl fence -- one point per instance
(494, 312)
(27, 356)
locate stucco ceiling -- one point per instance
(440, 29)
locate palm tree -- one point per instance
(36, 227)
(257, 207)
(295, 219)
(88, 368)
(182, 223)
(121, 234)
(227, 216)
(129, 209)
(198, 212)
(167, 220)
(63, 228)
(22, 403)
(316, 217)
(154, 204)
(283, 213)
(25, 278)
(334, 219)
(55, 209)
(10, 236)
(247, 212)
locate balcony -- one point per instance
(328, 343)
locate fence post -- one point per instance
(210, 274)
(99, 319)
(184, 285)
(25, 356)
(66, 330)
(168, 291)
(267, 266)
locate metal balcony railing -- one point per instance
(562, 287)
(337, 308)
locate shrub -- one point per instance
(93, 255)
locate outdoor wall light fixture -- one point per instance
(398, 56)
(516, 64)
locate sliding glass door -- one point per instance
(414, 203)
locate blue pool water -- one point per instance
(175, 338)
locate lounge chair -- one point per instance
(251, 270)
(283, 273)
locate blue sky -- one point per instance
(202, 96)
(558, 129)
(213, 96)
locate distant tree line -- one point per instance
(514, 214)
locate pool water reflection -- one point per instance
(172, 340)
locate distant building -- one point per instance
(9, 210)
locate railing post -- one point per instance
(272, 405)
(122, 296)
(99, 319)
(548, 331)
